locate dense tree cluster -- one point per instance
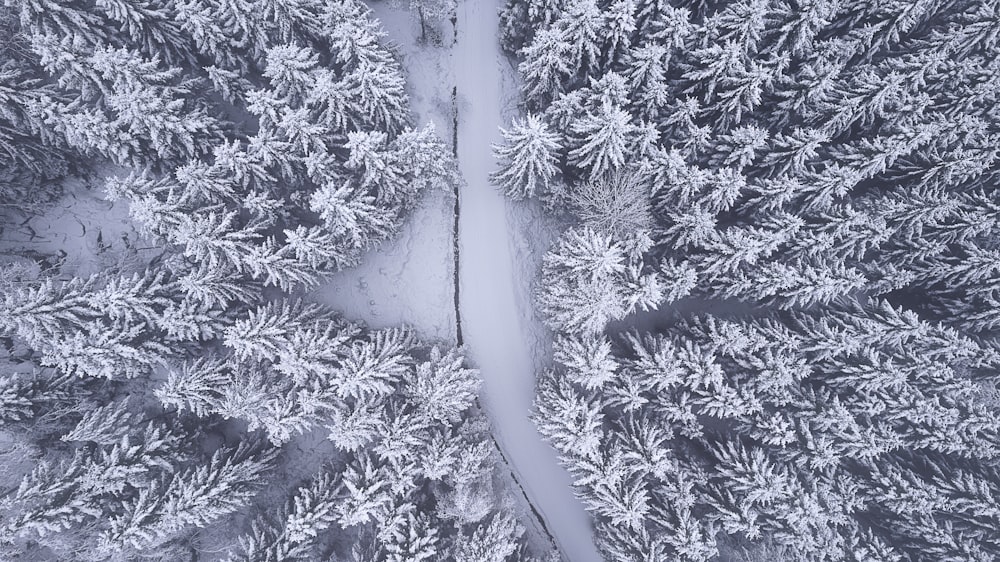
(259, 145)
(821, 176)
(270, 146)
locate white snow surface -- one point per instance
(502, 336)
(82, 230)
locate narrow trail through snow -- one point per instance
(495, 331)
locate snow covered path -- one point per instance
(497, 333)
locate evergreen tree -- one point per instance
(527, 159)
(294, 535)
(26, 398)
(191, 498)
(595, 280)
(546, 65)
(601, 141)
(431, 11)
(94, 483)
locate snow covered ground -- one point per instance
(408, 280)
(83, 231)
(501, 334)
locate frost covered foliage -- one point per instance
(855, 433)
(594, 278)
(289, 367)
(153, 409)
(119, 483)
(267, 142)
(383, 495)
(416, 478)
(415, 474)
(110, 326)
(829, 165)
(430, 13)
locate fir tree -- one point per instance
(527, 159)
(191, 498)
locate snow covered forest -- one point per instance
(500, 280)
(167, 406)
(776, 298)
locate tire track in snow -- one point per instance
(496, 334)
(456, 248)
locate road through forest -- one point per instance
(490, 289)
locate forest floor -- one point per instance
(82, 232)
